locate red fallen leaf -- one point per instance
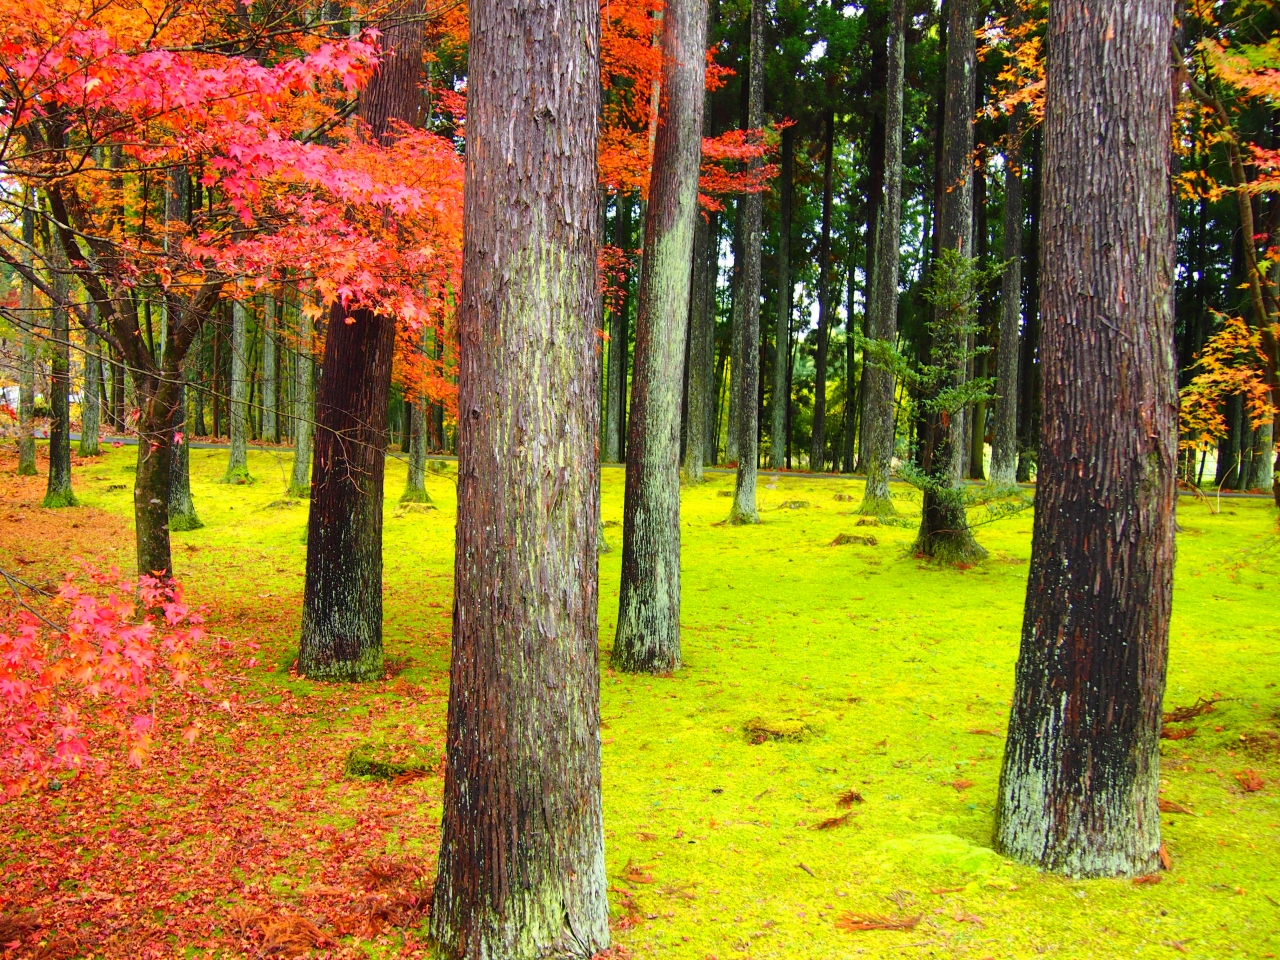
(1151, 878)
(1177, 733)
(849, 798)
(871, 921)
(832, 822)
(980, 731)
(960, 784)
(633, 873)
(1165, 860)
(1250, 781)
(1172, 806)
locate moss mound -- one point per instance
(382, 760)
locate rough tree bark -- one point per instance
(238, 421)
(27, 356)
(270, 364)
(58, 491)
(521, 867)
(882, 304)
(944, 527)
(1004, 446)
(648, 637)
(90, 399)
(818, 439)
(782, 329)
(702, 349)
(752, 210)
(342, 600)
(182, 508)
(615, 422)
(1029, 342)
(1079, 790)
(415, 488)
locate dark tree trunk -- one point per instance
(752, 211)
(342, 601)
(782, 329)
(1004, 446)
(270, 371)
(58, 491)
(944, 527)
(882, 299)
(702, 350)
(735, 336)
(616, 385)
(1079, 791)
(521, 866)
(303, 411)
(818, 439)
(90, 405)
(648, 637)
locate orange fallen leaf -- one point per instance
(1151, 878)
(871, 921)
(1166, 861)
(1250, 781)
(1172, 806)
(832, 822)
(960, 784)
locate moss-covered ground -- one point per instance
(811, 671)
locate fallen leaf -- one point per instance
(832, 822)
(1250, 781)
(1165, 860)
(1151, 878)
(982, 732)
(960, 784)
(1172, 806)
(1177, 733)
(871, 921)
(849, 798)
(807, 870)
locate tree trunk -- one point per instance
(1004, 447)
(342, 601)
(782, 330)
(978, 425)
(752, 210)
(90, 403)
(944, 527)
(818, 439)
(303, 411)
(1029, 344)
(648, 637)
(882, 303)
(27, 356)
(238, 461)
(521, 864)
(702, 350)
(1079, 790)
(415, 488)
(58, 491)
(182, 509)
(735, 338)
(616, 375)
(270, 371)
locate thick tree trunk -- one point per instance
(27, 355)
(1004, 446)
(342, 601)
(1079, 791)
(90, 401)
(702, 350)
(303, 411)
(882, 302)
(752, 209)
(270, 371)
(58, 491)
(782, 328)
(238, 459)
(648, 637)
(818, 439)
(944, 528)
(521, 866)
(616, 375)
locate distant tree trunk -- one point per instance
(978, 425)
(735, 337)
(1029, 344)
(882, 300)
(58, 491)
(748, 425)
(90, 402)
(303, 411)
(616, 375)
(342, 601)
(1004, 447)
(27, 356)
(648, 637)
(238, 460)
(782, 329)
(521, 865)
(702, 350)
(818, 439)
(944, 527)
(270, 371)
(182, 508)
(1079, 791)
(415, 488)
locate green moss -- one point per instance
(59, 499)
(184, 521)
(385, 760)
(902, 668)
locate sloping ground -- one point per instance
(824, 767)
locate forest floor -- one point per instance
(812, 672)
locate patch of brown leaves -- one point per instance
(872, 921)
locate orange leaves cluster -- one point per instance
(1231, 363)
(63, 689)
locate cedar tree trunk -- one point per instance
(238, 460)
(782, 331)
(1004, 446)
(818, 439)
(58, 491)
(1079, 790)
(521, 866)
(616, 375)
(303, 410)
